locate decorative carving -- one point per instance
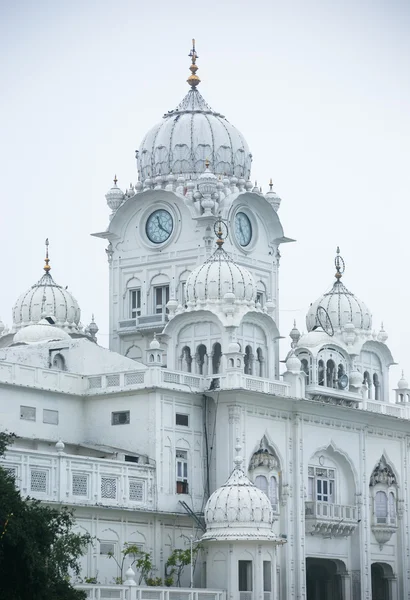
(383, 473)
(383, 533)
(263, 458)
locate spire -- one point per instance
(339, 264)
(270, 184)
(115, 180)
(47, 267)
(221, 232)
(238, 460)
(193, 79)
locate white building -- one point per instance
(142, 438)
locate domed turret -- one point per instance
(238, 510)
(190, 134)
(402, 384)
(220, 279)
(338, 307)
(114, 196)
(40, 333)
(47, 299)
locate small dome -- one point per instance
(218, 277)
(47, 299)
(189, 135)
(403, 384)
(238, 511)
(114, 196)
(40, 333)
(293, 364)
(315, 338)
(154, 344)
(342, 307)
(355, 379)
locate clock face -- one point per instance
(243, 229)
(159, 226)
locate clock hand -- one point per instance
(160, 226)
(241, 230)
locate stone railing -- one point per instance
(385, 408)
(330, 520)
(239, 380)
(125, 592)
(45, 379)
(74, 479)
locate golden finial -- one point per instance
(115, 180)
(207, 163)
(47, 260)
(221, 232)
(270, 184)
(193, 79)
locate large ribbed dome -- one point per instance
(190, 134)
(341, 305)
(238, 511)
(47, 299)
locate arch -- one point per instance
(201, 359)
(330, 373)
(134, 352)
(339, 456)
(139, 537)
(248, 361)
(159, 279)
(321, 372)
(305, 369)
(183, 444)
(261, 483)
(266, 441)
(59, 362)
(376, 385)
(186, 359)
(368, 384)
(216, 357)
(260, 362)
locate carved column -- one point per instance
(299, 504)
(356, 592)
(234, 418)
(346, 586)
(392, 587)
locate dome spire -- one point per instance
(221, 231)
(47, 267)
(193, 79)
(339, 264)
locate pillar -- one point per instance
(392, 587)
(346, 587)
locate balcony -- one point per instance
(329, 395)
(125, 592)
(145, 322)
(81, 480)
(330, 520)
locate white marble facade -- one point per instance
(141, 439)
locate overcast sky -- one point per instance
(320, 90)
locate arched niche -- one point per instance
(134, 353)
(331, 477)
(264, 470)
(383, 492)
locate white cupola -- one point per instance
(338, 307)
(220, 282)
(190, 134)
(238, 510)
(47, 299)
(40, 333)
(114, 196)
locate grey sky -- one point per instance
(320, 90)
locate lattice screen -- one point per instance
(136, 489)
(80, 484)
(109, 487)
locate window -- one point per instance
(182, 420)
(273, 491)
(245, 575)
(107, 548)
(267, 576)
(182, 471)
(28, 413)
(392, 509)
(259, 298)
(376, 384)
(305, 369)
(248, 361)
(321, 372)
(120, 418)
(331, 374)
(201, 359)
(135, 303)
(182, 296)
(321, 484)
(262, 483)
(133, 459)
(59, 362)
(260, 361)
(216, 357)
(50, 416)
(161, 297)
(186, 359)
(380, 507)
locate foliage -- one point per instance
(176, 563)
(142, 561)
(38, 549)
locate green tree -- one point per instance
(142, 561)
(176, 563)
(38, 549)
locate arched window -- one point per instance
(201, 358)
(59, 362)
(186, 359)
(376, 384)
(331, 374)
(216, 357)
(151, 358)
(273, 491)
(321, 373)
(262, 483)
(305, 369)
(380, 507)
(260, 360)
(231, 362)
(248, 360)
(368, 383)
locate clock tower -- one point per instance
(194, 168)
